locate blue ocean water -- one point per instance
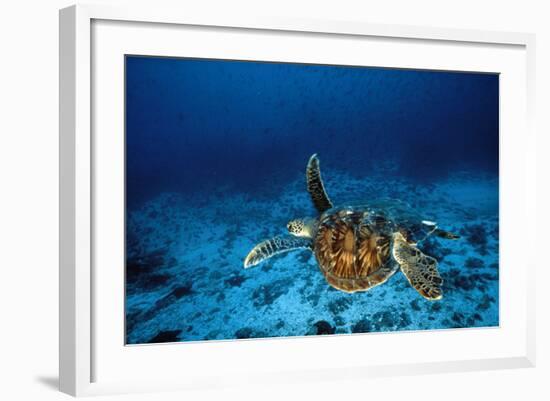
(215, 160)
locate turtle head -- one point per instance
(302, 227)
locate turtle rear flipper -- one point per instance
(274, 246)
(315, 185)
(445, 234)
(420, 269)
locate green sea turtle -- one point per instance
(359, 247)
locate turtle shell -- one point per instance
(352, 247)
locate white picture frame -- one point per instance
(81, 158)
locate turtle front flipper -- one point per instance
(420, 269)
(274, 246)
(315, 185)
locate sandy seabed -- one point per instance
(186, 282)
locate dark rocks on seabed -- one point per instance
(476, 234)
(432, 247)
(463, 320)
(167, 300)
(457, 317)
(314, 296)
(153, 282)
(474, 263)
(168, 336)
(181, 291)
(268, 293)
(321, 327)
(142, 271)
(248, 332)
(304, 256)
(235, 280)
(455, 281)
(414, 305)
(143, 264)
(245, 332)
(339, 305)
(467, 282)
(486, 302)
(132, 320)
(362, 326)
(216, 275)
(382, 321)
(387, 320)
(280, 324)
(477, 317)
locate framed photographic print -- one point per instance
(274, 199)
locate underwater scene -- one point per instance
(277, 199)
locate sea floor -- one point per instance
(186, 282)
